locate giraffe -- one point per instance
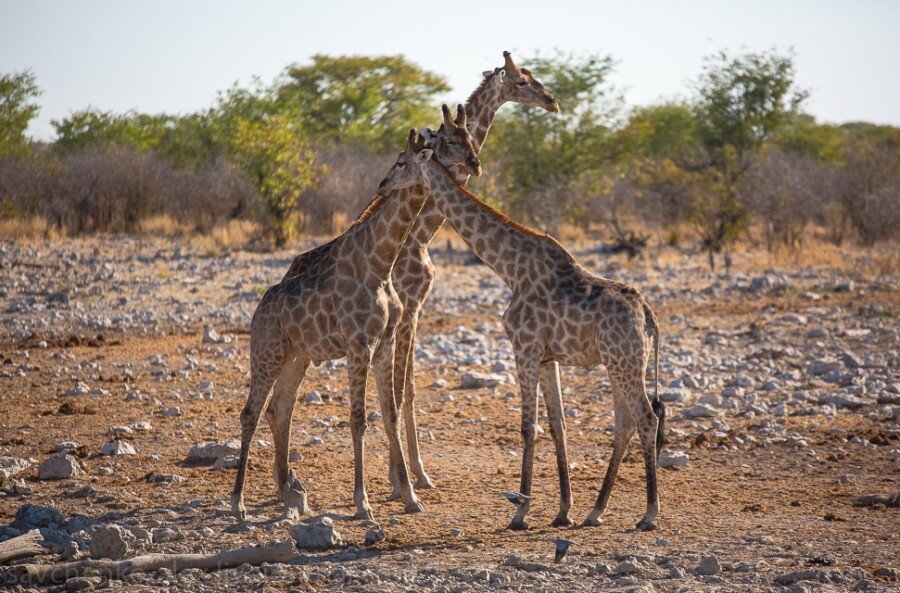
(413, 273)
(342, 304)
(559, 312)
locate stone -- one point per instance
(699, 411)
(806, 574)
(119, 448)
(10, 466)
(674, 394)
(671, 459)
(845, 401)
(33, 516)
(156, 478)
(212, 450)
(226, 462)
(823, 367)
(210, 336)
(314, 398)
(59, 467)
(318, 534)
(79, 389)
(83, 583)
(117, 541)
(171, 411)
(375, 535)
(709, 566)
(476, 380)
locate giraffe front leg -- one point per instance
(553, 401)
(358, 361)
(529, 373)
(384, 380)
(406, 338)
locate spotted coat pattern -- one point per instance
(559, 313)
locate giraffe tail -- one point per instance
(658, 407)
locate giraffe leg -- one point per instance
(406, 338)
(265, 365)
(358, 360)
(647, 423)
(553, 401)
(279, 414)
(623, 432)
(384, 380)
(529, 375)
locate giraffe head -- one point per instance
(452, 143)
(518, 85)
(407, 171)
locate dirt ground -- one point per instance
(767, 494)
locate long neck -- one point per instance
(514, 252)
(379, 233)
(481, 108)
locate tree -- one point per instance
(362, 98)
(544, 157)
(17, 93)
(274, 153)
(742, 102)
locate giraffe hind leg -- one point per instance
(279, 414)
(265, 367)
(624, 430)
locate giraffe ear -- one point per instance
(487, 73)
(502, 74)
(424, 155)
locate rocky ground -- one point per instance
(117, 404)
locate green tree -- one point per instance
(742, 102)
(274, 153)
(17, 108)
(362, 98)
(544, 156)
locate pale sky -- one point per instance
(172, 56)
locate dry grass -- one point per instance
(232, 235)
(27, 229)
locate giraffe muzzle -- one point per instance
(474, 166)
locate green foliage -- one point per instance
(369, 99)
(803, 135)
(743, 101)
(540, 152)
(667, 130)
(17, 93)
(273, 152)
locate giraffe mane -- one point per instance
(371, 208)
(479, 89)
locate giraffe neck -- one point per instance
(481, 108)
(517, 254)
(377, 237)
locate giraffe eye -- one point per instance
(521, 83)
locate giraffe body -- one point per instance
(413, 273)
(559, 312)
(342, 303)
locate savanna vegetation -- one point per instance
(738, 160)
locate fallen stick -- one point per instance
(27, 544)
(43, 574)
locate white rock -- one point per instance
(314, 398)
(226, 462)
(699, 411)
(670, 459)
(476, 380)
(119, 448)
(59, 467)
(79, 389)
(171, 411)
(211, 450)
(317, 535)
(10, 466)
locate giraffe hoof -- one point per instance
(238, 509)
(562, 522)
(518, 525)
(424, 483)
(365, 515)
(645, 526)
(395, 495)
(592, 522)
(414, 507)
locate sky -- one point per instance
(173, 56)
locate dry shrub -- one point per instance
(27, 228)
